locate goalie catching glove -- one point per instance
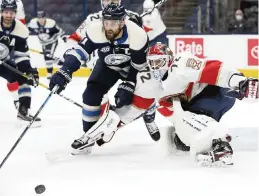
(249, 88)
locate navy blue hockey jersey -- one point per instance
(129, 50)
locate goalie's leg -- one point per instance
(207, 138)
(152, 128)
(138, 106)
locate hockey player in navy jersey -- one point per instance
(48, 33)
(13, 37)
(122, 47)
(14, 86)
(80, 34)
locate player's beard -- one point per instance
(8, 21)
(111, 35)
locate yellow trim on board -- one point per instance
(82, 72)
(250, 72)
(85, 72)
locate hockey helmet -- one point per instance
(41, 14)
(9, 5)
(114, 12)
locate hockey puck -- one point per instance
(40, 189)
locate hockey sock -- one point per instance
(91, 114)
(25, 95)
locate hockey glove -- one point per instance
(61, 78)
(124, 94)
(33, 77)
(64, 38)
(249, 88)
(136, 19)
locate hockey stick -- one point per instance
(158, 5)
(29, 125)
(42, 85)
(47, 55)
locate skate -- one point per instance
(153, 131)
(83, 145)
(219, 156)
(16, 104)
(149, 120)
(180, 145)
(24, 117)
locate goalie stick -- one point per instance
(158, 5)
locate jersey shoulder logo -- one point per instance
(4, 51)
(105, 49)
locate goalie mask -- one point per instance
(159, 59)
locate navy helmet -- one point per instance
(9, 5)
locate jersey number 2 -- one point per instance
(146, 76)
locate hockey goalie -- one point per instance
(196, 94)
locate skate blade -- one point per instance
(62, 155)
(58, 156)
(22, 123)
(84, 151)
(217, 164)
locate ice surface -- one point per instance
(132, 164)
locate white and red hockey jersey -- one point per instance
(189, 75)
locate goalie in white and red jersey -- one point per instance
(196, 94)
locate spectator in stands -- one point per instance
(239, 25)
(252, 18)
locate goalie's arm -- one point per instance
(212, 72)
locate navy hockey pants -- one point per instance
(212, 101)
(9, 75)
(100, 81)
(49, 49)
(24, 89)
